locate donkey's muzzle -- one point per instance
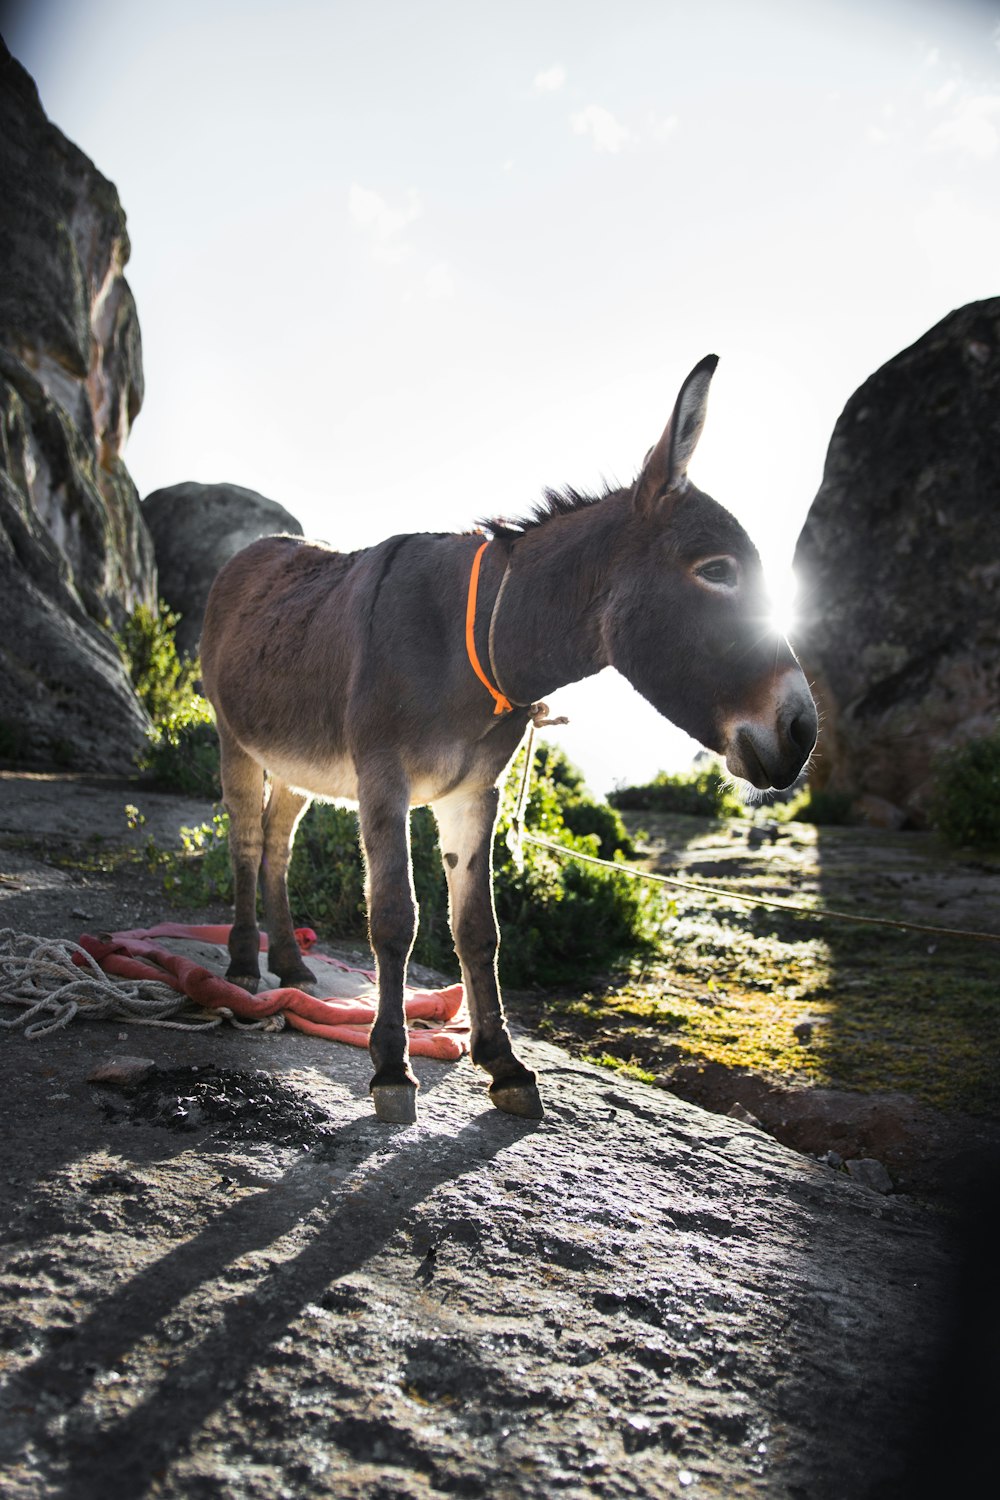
(770, 749)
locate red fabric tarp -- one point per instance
(442, 1029)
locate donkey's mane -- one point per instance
(554, 503)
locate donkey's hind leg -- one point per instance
(392, 922)
(243, 793)
(465, 825)
(281, 818)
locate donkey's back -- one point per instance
(315, 660)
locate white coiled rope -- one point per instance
(54, 980)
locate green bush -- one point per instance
(583, 817)
(559, 920)
(164, 682)
(825, 809)
(562, 920)
(706, 792)
(965, 802)
(183, 750)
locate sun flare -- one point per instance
(783, 588)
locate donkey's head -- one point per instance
(688, 618)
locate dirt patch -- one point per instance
(70, 862)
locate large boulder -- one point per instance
(75, 555)
(899, 566)
(195, 529)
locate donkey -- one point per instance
(408, 673)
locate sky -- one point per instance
(402, 264)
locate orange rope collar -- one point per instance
(503, 705)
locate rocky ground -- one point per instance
(226, 1279)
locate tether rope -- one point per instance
(54, 980)
(820, 913)
(517, 835)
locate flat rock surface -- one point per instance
(230, 1280)
(221, 1277)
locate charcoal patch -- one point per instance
(235, 1105)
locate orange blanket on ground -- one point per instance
(442, 1023)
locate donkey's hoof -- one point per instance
(519, 1099)
(306, 982)
(248, 982)
(395, 1103)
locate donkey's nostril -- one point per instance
(802, 731)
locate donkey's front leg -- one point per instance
(465, 825)
(281, 818)
(383, 811)
(243, 793)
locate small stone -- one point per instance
(122, 1072)
(638, 1433)
(877, 812)
(763, 833)
(737, 1111)
(805, 1029)
(870, 1174)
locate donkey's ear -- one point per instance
(665, 465)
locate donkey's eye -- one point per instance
(722, 571)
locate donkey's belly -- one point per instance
(337, 777)
(332, 778)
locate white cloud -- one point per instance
(371, 214)
(550, 80)
(439, 282)
(662, 127)
(607, 133)
(973, 128)
(940, 96)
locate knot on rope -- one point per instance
(539, 716)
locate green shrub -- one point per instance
(560, 920)
(183, 751)
(583, 817)
(965, 802)
(164, 682)
(825, 809)
(705, 792)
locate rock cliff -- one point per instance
(75, 555)
(899, 565)
(195, 529)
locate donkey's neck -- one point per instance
(548, 627)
